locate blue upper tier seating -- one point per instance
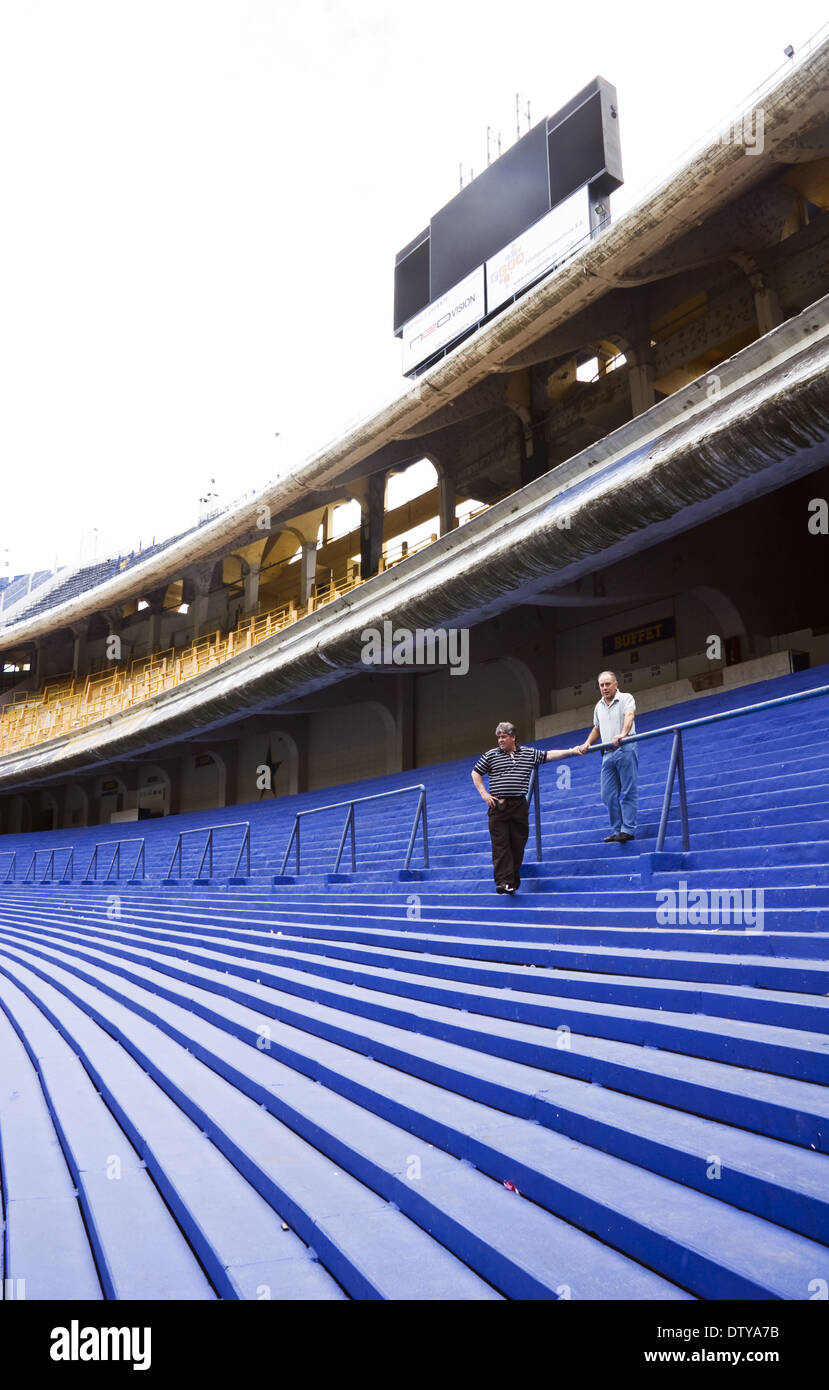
(408, 1087)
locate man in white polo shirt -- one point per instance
(613, 720)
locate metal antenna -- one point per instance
(519, 112)
(461, 168)
(493, 137)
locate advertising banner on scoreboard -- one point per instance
(446, 319)
(538, 249)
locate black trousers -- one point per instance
(509, 829)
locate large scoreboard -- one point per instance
(512, 224)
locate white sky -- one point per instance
(202, 201)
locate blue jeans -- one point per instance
(620, 776)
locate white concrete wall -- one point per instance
(153, 790)
(76, 807)
(675, 693)
(455, 716)
(253, 754)
(349, 745)
(202, 788)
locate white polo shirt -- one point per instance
(608, 719)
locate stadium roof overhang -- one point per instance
(633, 249)
(689, 458)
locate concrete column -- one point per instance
(371, 495)
(307, 570)
(200, 579)
(405, 721)
(172, 766)
(79, 631)
(59, 793)
(766, 306)
(252, 591)
(299, 733)
(642, 394)
(446, 503)
(154, 631)
(230, 757)
(113, 620)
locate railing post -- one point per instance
(676, 750)
(245, 845)
(288, 850)
(139, 859)
(353, 841)
(176, 851)
(425, 831)
(208, 844)
(349, 822)
(533, 796)
(683, 800)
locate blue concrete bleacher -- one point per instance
(77, 582)
(386, 1087)
(19, 586)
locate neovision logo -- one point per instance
(443, 320)
(76, 1343)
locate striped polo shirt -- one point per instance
(510, 773)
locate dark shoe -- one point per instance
(611, 839)
(624, 836)
(508, 888)
(499, 888)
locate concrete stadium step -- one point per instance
(656, 1092)
(800, 1054)
(45, 1242)
(544, 1164)
(741, 1001)
(232, 1209)
(522, 925)
(555, 911)
(651, 969)
(518, 1247)
(129, 1227)
(233, 1231)
(791, 1110)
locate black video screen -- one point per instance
(492, 210)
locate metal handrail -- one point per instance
(115, 861)
(50, 864)
(419, 819)
(676, 766)
(12, 867)
(534, 795)
(207, 852)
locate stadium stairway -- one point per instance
(364, 1085)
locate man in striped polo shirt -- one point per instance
(510, 768)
